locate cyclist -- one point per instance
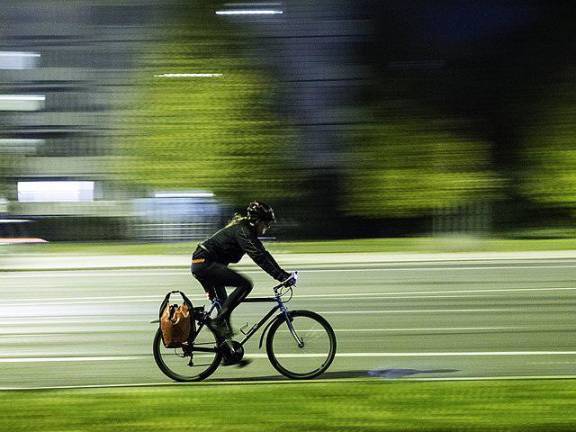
(212, 256)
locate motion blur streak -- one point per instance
(354, 118)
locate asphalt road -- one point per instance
(433, 320)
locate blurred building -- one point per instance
(176, 216)
(65, 70)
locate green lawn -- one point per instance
(399, 245)
(546, 405)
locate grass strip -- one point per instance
(530, 405)
(382, 245)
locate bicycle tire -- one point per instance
(280, 360)
(199, 373)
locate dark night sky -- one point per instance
(489, 62)
(445, 27)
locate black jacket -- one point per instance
(231, 243)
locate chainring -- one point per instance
(232, 357)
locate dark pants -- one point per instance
(215, 277)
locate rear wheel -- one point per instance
(302, 348)
(189, 363)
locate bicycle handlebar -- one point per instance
(284, 283)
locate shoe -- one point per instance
(238, 363)
(243, 363)
(227, 361)
(222, 328)
(229, 354)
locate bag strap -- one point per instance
(167, 300)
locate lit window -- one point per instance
(18, 60)
(56, 191)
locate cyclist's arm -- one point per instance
(255, 250)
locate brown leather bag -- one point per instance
(176, 321)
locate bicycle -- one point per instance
(300, 344)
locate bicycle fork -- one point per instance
(297, 338)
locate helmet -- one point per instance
(260, 212)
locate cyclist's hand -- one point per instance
(292, 279)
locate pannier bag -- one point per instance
(176, 321)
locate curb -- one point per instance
(300, 261)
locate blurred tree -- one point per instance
(2, 177)
(215, 132)
(409, 166)
(7, 168)
(549, 175)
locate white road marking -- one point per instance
(264, 356)
(67, 359)
(140, 272)
(573, 266)
(27, 317)
(70, 319)
(67, 331)
(281, 381)
(425, 294)
(81, 301)
(57, 319)
(426, 354)
(437, 329)
(102, 386)
(342, 296)
(420, 311)
(494, 378)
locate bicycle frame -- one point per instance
(277, 298)
(259, 324)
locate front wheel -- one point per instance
(302, 347)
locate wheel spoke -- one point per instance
(192, 364)
(307, 355)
